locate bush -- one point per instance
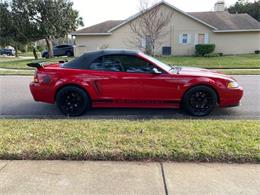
(212, 55)
(257, 51)
(40, 48)
(202, 49)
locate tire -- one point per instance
(45, 56)
(68, 54)
(199, 101)
(72, 101)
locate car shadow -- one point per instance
(47, 111)
(148, 114)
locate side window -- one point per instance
(113, 63)
(61, 46)
(96, 64)
(107, 63)
(121, 63)
(136, 65)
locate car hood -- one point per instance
(191, 71)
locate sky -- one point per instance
(96, 11)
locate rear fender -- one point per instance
(84, 85)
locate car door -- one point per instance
(130, 79)
(107, 79)
(64, 49)
(56, 51)
(149, 82)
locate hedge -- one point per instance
(202, 49)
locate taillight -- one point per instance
(35, 78)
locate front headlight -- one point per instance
(232, 85)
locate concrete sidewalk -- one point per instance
(87, 177)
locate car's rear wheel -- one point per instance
(199, 101)
(72, 101)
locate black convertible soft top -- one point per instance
(85, 59)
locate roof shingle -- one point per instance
(218, 20)
(227, 21)
(103, 27)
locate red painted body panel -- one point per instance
(123, 89)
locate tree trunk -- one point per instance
(49, 46)
(16, 50)
(35, 54)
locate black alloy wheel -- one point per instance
(72, 101)
(200, 101)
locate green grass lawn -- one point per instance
(18, 63)
(29, 54)
(156, 140)
(238, 61)
(17, 72)
(240, 71)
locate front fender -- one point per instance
(214, 84)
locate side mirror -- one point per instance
(156, 71)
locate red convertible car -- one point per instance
(125, 78)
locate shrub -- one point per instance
(40, 48)
(202, 49)
(212, 55)
(257, 51)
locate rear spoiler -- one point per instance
(36, 65)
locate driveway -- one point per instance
(16, 102)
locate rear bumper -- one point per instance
(231, 97)
(41, 93)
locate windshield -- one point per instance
(157, 62)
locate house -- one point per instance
(232, 33)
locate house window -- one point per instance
(184, 38)
(201, 38)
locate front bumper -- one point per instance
(231, 97)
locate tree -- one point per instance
(54, 19)
(243, 6)
(5, 24)
(148, 28)
(31, 20)
(14, 27)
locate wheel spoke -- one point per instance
(72, 102)
(200, 102)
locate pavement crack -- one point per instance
(2, 168)
(164, 179)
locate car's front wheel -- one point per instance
(199, 100)
(72, 101)
(69, 54)
(45, 55)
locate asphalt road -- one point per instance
(16, 102)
